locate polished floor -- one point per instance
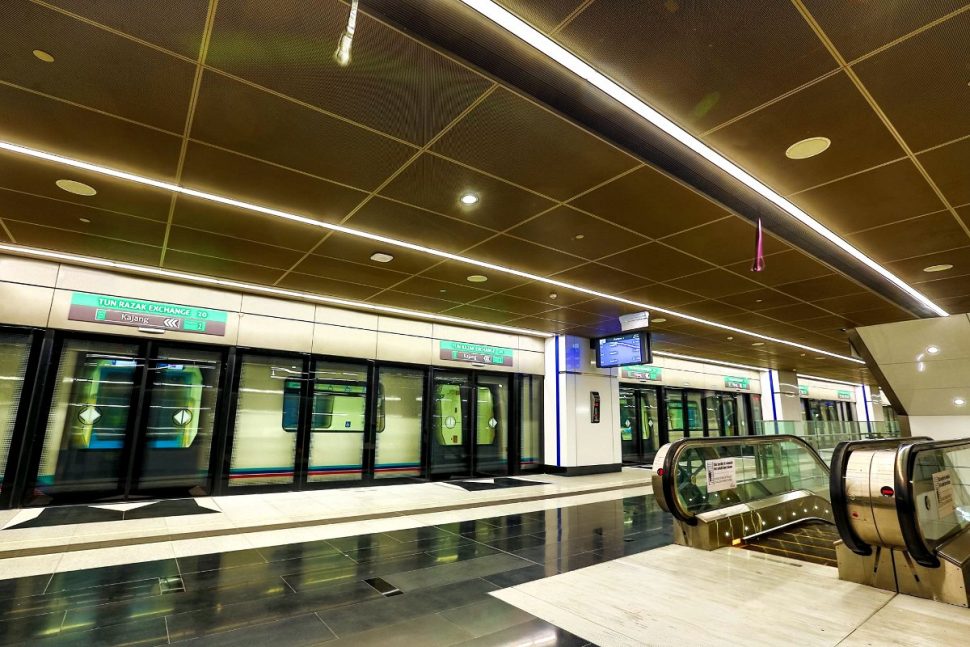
(427, 585)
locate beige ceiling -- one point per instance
(244, 100)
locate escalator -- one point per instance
(808, 541)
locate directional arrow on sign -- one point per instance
(172, 322)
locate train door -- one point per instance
(491, 449)
(639, 424)
(451, 440)
(628, 424)
(127, 419)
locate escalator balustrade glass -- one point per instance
(940, 487)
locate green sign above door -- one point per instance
(844, 395)
(803, 391)
(458, 351)
(138, 313)
(641, 372)
(743, 383)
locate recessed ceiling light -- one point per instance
(808, 148)
(442, 290)
(943, 267)
(469, 199)
(85, 221)
(819, 358)
(759, 300)
(959, 402)
(579, 236)
(932, 350)
(381, 257)
(477, 278)
(730, 338)
(41, 55)
(553, 295)
(659, 320)
(77, 188)
(758, 343)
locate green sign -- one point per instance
(803, 390)
(844, 395)
(458, 351)
(137, 313)
(737, 382)
(642, 372)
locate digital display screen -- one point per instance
(623, 350)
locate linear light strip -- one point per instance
(704, 360)
(251, 287)
(562, 56)
(167, 186)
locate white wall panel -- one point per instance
(344, 342)
(258, 331)
(349, 318)
(25, 305)
(29, 271)
(280, 308)
(405, 326)
(404, 348)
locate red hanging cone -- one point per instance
(759, 251)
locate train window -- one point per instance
(400, 412)
(695, 412)
(338, 417)
(14, 352)
(264, 447)
(674, 399)
(487, 412)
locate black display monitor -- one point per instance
(624, 350)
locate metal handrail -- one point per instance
(906, 501)
(677, 447)
(840, 461)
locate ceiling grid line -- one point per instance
(857, 82)
(189, 118)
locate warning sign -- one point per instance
(721, 474)
(943, 485)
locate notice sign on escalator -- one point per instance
(721, 474)
(943, 486)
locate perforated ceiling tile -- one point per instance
(455, 272)
(522, 255)
(364, 273)
(241, 118)
(760, 299)
(606, 308)
(577, 233)
(72, 242)
(412, 225)
(38, 122)
(650, 203)
(229, 174)
(360, 250)
(945, 288)
(785, 267)
(700, 63)
(220, 267)
(921, 83)
(544, 293)
(93, 67)
(948, 166)
(397, 299)
(600, 277)
(174, 26)
(723, 242)
(513, 305)
(434, 183)
(67, 215)
(714, 283)
(832, 285)
(327, 287)
(542, 14)
(204, 243)
(661, 295)
(710, 309)
(912, 269)
(478, 313)
(794, 312)
(512, 138)
(454, 292)
(914, 237)
(759, 141)
(657, 262)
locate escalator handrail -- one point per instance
(837, 494)
(668, 480)
(906, 500)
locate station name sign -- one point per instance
(640, 372)
(457, 351)
(138, 313)
(743, 383)
(844, 395)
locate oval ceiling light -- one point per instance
(758, 343)
(477, 278)
(381, 257)
(41, 55)
(659, 320)
(933, 350)
(959, 402)
(77, 188)
(943, 267)
(809, 147)
(468, 199)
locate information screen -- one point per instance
(623, 350)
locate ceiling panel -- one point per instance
(37, 122)
(599, 277)
(913, 237)
(725, 241)
(233, 249)
(397, 299)
(522, 255)
(710, 309)
(442, 290)
(67, 215)
(219, 267)
(435, 183)
(84, 244)
(606, 308)
(878, 316)
(851, 303)
(455, 272)
(794, 312)
(758, 142)
(543, 14)
(174, 26)
(956, 305)
(228, 174)
(478, 313)
(911, 269)
(93, 67)
(394, 84)
(760, 299)
(513, 305)
(948, 166)
(921, 83)
(359, 250)
(661, 295)
(577, 233)
(364, 273)
(328, 287)
(822, 287)
(649, 202)
(244, 119)
(685, 59)
(944, 288)
(541, 141)
(543, 292)
(656, 261)
(714, 284)
(877, 197)
(785, 267)
(409, 224)
(39, 178)
(572, 317)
